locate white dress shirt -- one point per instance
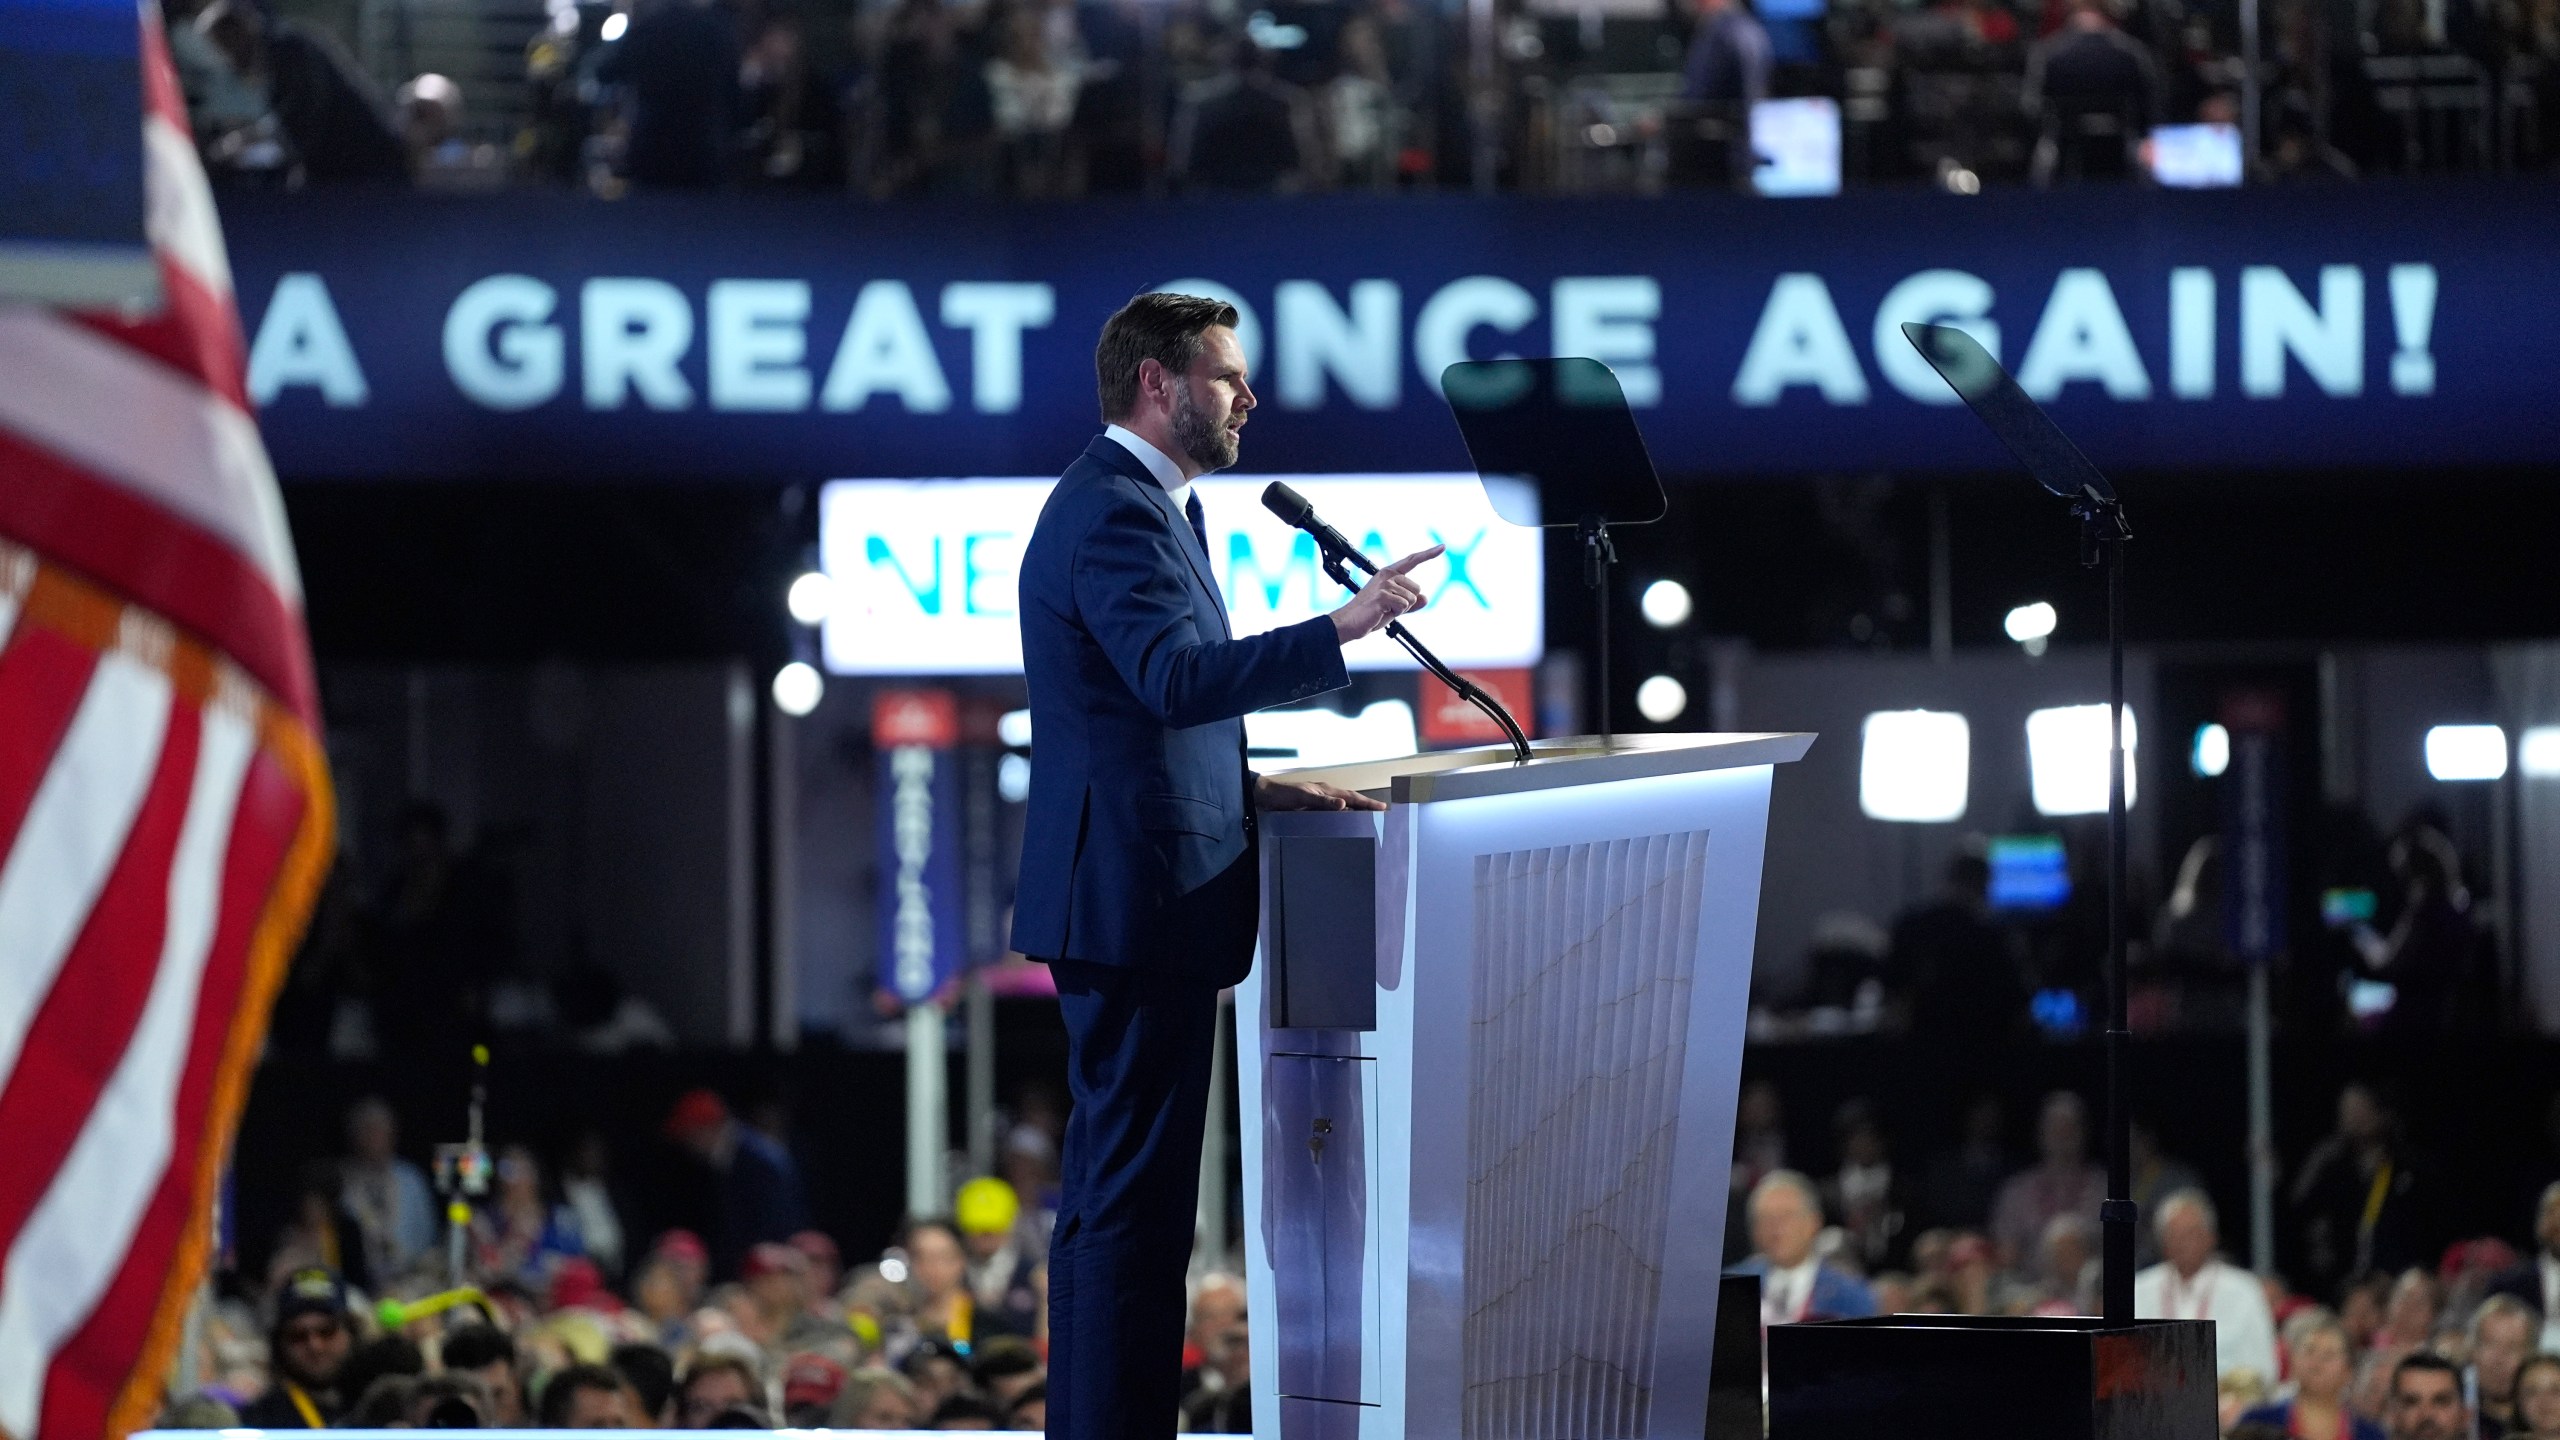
(1158, 463)
(1785, 1295)
(2244, 1333)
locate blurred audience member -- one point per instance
(717, 1383)
(2426, 1401)
(965, 1412)
(1222, 1401)
(334, 124)
(485, 1353)
(520, 1234)
(811, 1384)
(876, 1399)
(758, 1184)
(1003, 1368)
(321, 1234)
(449, 1402)
(1245, 130)
(2155, 1178)
(2322, 1367)
(2061, 1182)
(1864, 1196)
(2094, 91)
(2409, 1321)
(795, 129)
(1759, 1151)
(1795, 1284)
(1004, 1283)
(1030, 1412)
(587, 1397)
(2428, 954)
(2504, 1330)
(1962, 1182)
(1729, 58)
(2536, 1282)
(586, 1190)
(1032, 86)
(2191, 1282)
(385, 1195)
(649, 1375)
(2537, 1398)
(2067, 1258)
(1958, 968)
(310, 1341)
(678, 63)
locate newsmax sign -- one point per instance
(546, 336)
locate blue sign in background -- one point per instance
(546, 336)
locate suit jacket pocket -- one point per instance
(1181, 812)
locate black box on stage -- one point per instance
(1973, 1377)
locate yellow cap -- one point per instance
(986, 1206)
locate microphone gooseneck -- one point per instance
(1340, 557)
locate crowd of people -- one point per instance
(546, 1308)
(1039, 98)
(2372, 1323)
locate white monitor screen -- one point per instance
(924, 570)
(1797, 142)
(2195, 157)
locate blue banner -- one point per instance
(542, 336)
(922, 910)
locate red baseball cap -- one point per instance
(682, 1245)
(772, 1259)
(696, 1110)
(811, 1379)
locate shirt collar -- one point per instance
(1158, 463)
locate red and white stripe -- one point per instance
(164, 814)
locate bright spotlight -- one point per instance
(2467, 752)
(1660, 699)
(796, 688)
(2538, 752)
(2030, 622)
(811, 597)
(614, 25)
(1013, 729)
(2067, 759)
(1013, 779)
(1666, 604)
(2212, 753)
(1914, 765)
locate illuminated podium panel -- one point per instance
(1489, 1055)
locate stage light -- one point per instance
(1666, 604)
(2467, 752)
(811, 596)
(1013, 779)
(2538, 752)
(2030, 622)
(796, 688)
(1013, 728)
(614, 25)
(1914, 765)
(2067, 759)
(2212, 753)
(1660, 699)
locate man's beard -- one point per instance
(1211, 446)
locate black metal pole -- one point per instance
(2117, 1217)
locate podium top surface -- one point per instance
(1554, 764)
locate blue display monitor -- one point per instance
(2029, 873)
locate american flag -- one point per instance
(164, 805)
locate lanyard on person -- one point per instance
(2175, 1289)
(2373, 1199)
(302, 1402)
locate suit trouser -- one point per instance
(1138, 1050)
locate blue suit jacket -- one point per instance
(1138, 847)
(1835, 1296)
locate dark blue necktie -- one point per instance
(1199, 524)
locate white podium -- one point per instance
(1489, 1052)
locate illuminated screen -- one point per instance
(924, 570)
(2028, 872)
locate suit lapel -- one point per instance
(1110, 453)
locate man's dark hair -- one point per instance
(384, 1404)
(651, 1374)
(374, 1359)
(476, 1347)
(1002, 1357)
(450, 1402)
(1038, 1394)
(2425, 1360)
(1155, 326)
(718, 1361)
(964, 1407)
(562, 1390)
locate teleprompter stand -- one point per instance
(1556, 446)
(2113, 1377)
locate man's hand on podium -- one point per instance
(1270, 794)
(1388, 594)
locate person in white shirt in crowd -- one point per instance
(387, 1195)
(2536, 1282)
(1786, 1223)
(2193, 1283)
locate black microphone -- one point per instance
(1297, 512)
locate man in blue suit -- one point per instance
(1786, 1220)
(1140, 882)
